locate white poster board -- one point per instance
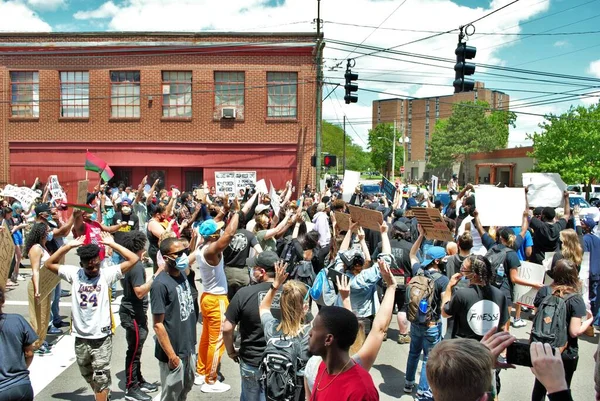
(261, 187)
(230, 182)
(544, 189)
(533, 272)
(275, 201)
(58, 195)
(584, 276)
(351, 179)
(434, 184)
(500, 207)
(26, 196)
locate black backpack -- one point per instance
(550, 322)
(497, 258)
(291, 252)
(279, 369)
(303, 271)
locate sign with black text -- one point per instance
(389, 189)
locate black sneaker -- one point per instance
(148, 387)
(135, 394)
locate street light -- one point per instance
(405, 140)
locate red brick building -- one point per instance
(174, 105)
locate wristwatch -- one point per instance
(273, 287)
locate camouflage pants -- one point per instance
(93, 358)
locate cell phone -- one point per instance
(518, 354)
(331, 275)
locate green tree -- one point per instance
(333, 143)
(381, 144)
(470, 129)
(569, 144)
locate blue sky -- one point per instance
(566, 54)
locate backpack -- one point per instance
(497, 257)
(279, 369)
(323, 290)
(289, 252)
(550, 322)
(421, 287)
(303, 271)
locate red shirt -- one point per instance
(92, 236)
(355, 384)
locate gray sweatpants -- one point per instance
(177, 383)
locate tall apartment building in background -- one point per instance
(415, 119)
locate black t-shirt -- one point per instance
(476, 310)
(172, 297)
(546, 238)
(238, 250)
(133, 223)
(401, 252)
(243, 311)
(575, 308)
(453, 264)
(131, 304)
(372, 238)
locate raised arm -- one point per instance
(152, 190)
(214, 250)
(567, 214)
(280, 277)
(385, 239)
(524, 223)
(140, 190)
(345, 245)
(416, 246)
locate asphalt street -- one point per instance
(55, 376)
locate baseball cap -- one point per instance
(261, 208)
(209, 227)
(125, 202)
(400, 226)
(266, 260)
(433, 253)
(42, 208)
(589, 221)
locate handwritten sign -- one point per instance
(199, 194)
(351, 180)
(7, 251)
(275, 201)
(389, 189)
(245, 179)
(491, 200)
(433, 224)
(366, 218)
(58, 195)
(544, 189)
(23, 194)
(533, 272)
(230, 182)
(48, 281)
(82, 187)
(342, 221)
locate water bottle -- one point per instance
(500, 275)
(423, 306)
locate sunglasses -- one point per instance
(178, 253)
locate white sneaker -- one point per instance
(519, 323)
(20, 277)
(199, 380)
(216, 387)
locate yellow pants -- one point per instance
(39, 315)
(211, 347)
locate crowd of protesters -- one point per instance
(263, 263)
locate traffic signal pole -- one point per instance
(318, 97)
(344, 163)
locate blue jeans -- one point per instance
(595, 300)
(54, 309)
(251, 390)
(422, 338)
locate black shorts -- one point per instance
(400, 299)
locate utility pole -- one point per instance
(318, 97)
(394, 153)
(344, 163)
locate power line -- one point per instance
(493, 12)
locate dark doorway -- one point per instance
(122, 176)
(193, 179)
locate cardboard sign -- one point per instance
(500, 207)
(366, 218)
(48, 281)
(230, 182)
(351, 179)
(7, 251)
(26, 196)
(389, 189)
(342, 221)
(82, 190)
(533, 272)
(544, 189)
(199, 194)
(432, 223)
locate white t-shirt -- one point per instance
(91, 313)
(478, 248)
(214, 280)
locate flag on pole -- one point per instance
(94, 163)
(85, 208)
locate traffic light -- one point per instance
(350, 87)
(313, 161)
(329, 161)
(462, 68)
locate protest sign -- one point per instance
(432, 223)
(366, 218)
(7, 251)
(245, 179)
(434, 184)
(199, 194)
(82, 191)
(389, 189)
(351, 179)
(26, 196)
(275, 201)
(584, 276)
(230, 182)
(548, 256)
(532, 272)
(500, 207)
(342, 221)
(544, 189)
(261, 187)
(58, 195)
(48, 281)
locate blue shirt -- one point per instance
(527, 242)
(15, 334)
(591, 244)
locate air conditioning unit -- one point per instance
(228, 112)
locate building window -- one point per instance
(437, 108)
(25, 94)
(74, 94)
(125, 94)
(229, 88)
(177, 94)
(282, 98)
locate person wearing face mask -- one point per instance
(90, 300)
(243, 311)
(174, 322)
(125, 216)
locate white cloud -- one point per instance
(47, 5)
(18, 17)
(106, 10)
(594, 68)
(561, 43)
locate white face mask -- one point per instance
(126, 210)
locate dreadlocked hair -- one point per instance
(88, 252)
(482, 267)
